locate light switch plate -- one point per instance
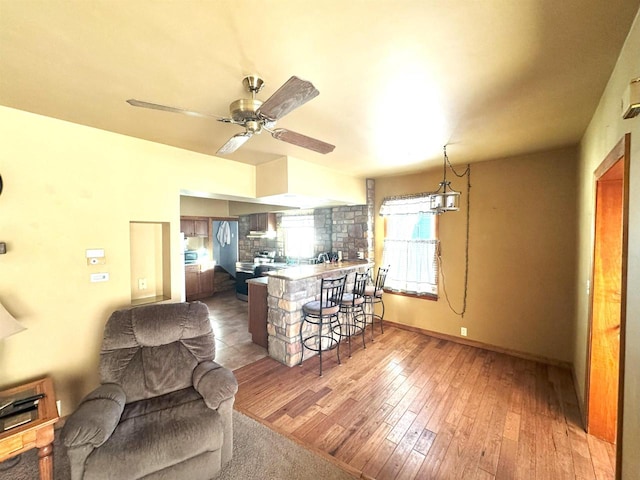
(95, 253)
(99, 277)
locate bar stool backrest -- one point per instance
(380, 279)
(331, 292)
(360, 283)
(369, 274)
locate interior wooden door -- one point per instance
(608, 298)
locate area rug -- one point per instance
(258, 454)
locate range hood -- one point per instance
(262, 234)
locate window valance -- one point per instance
(407, 204)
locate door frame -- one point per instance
(622, 151)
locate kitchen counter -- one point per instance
(200, 267)
(287, 291)
(305, 271)
(258, 281)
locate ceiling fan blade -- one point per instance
(302, 140)
(234, 143)
(292, 94)
(155, 106)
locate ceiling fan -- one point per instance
(255, 115)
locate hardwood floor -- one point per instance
(412, 406)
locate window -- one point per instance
(410, 245)
(299, 235)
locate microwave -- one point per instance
(194, 256)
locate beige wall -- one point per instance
(521, 254)
(288, 179)
(68, 188)
(605, 130)
(203, 207)
(209, 207)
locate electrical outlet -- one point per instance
(463, 331)
(142, 284)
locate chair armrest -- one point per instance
(214, 383)
(95, 418)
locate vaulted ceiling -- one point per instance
(397, 79)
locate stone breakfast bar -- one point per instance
(287, 291)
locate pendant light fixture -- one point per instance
(445, 199)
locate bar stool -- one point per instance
(352, 318)
(372, 295)
(322, 317)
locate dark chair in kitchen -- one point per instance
(320, 319)
(372, 296)
(164, 407)
(352, 317)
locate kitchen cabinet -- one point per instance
(206, 282)
(198, 280)
(258, 311)
(192, 281)
(262, 222)
(194, 228)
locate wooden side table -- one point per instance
(37, 433)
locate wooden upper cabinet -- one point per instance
(262, 222)
(201, 228)
(194, 228)
(187, 227)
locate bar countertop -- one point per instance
(258, 281)
(306, 271)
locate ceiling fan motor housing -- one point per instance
(244, 109)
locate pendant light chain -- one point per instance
(467, 172)
(459, 175)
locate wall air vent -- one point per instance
(631, 100)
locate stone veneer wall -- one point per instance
(349, 233)
(323, 225)
(371, 218)
(285, 299)
(353, 227)
(247, 247)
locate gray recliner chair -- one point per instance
(164, 407)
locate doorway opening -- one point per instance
(605, 362)
(225, 253)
